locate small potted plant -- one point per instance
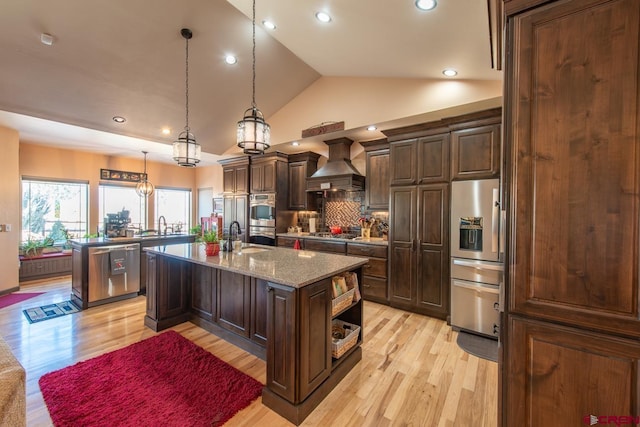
(210, 239)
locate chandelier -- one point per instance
(144, 187)
(186, 151)
(254, 134)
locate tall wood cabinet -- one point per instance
(572, 147)
(269, 173)
(235, 184)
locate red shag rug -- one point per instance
(7, 300)
(165, 380)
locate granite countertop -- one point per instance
(290, 267)
(105, 241)
(304, 235)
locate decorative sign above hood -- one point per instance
(322, 128)
(338, 173)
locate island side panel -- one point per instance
(281, 341)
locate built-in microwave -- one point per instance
(262, 210)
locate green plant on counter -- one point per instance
(210, 236)
(197, 230)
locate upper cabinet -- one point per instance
(421, 160)
(378, 174)
(475, 150)
(269, 173)
(301, 166)
(235, 175)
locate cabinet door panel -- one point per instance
(234, 300)
(281, 341)
(403, 158)
(433, 152)
(229, 180)
(259, 297)
(241, 175)
(558, 376)
(378, 180)
(203, 291)
(476, 152)
(576, 204)
(269, 177)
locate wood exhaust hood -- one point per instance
(338, 173)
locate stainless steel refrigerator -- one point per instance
(477, 264)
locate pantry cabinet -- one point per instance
(475, 150)
(419, 249)
(421, 160)
(235, 175)
(269, 173)
(572, 149)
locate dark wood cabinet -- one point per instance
(315, 336)
(234, 303)
(168, 300)
(420, 160)
(236, 208)
(288, 242)
(269, 173)
(374, 285)
(301, 166)
(325, 246)
(259, 300)
(235, 175)
(281, 341)
(404, 162)
(419, 248)
(203, 291)
(572, 149)
(378, 178)
(475, 151)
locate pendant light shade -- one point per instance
(144, 187)
(254, 134)
(186, 151)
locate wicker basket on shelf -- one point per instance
(340, 346)
(343, 301)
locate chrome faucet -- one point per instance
(233, 237)
(165, 224)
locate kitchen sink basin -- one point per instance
(253, 250)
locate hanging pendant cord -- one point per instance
(253, 102)
(187, 85)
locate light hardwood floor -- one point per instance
(412, 372)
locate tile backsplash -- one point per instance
(343, 209)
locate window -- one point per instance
(113, 199)
(54, 209)
(175, 206)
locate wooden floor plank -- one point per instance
(412, 371)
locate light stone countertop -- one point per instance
(305, 235)
(290, 267)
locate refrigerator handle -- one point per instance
(495, 220)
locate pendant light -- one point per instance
(186, 151)
(254, 134)
(144, 187)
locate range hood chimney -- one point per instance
(338, 173)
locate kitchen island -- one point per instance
(86, 271)
(274, 302)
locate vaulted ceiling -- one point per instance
(127, 58)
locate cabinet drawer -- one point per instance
(376, 251)
(324, 246)
(374, 287)
(375, 267)
(286, 242)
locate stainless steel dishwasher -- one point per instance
(114, 271)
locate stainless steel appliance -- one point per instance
(114, 272)
(262, 218)
(477, 264)
(115, 224)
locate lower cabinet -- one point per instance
(374, 274)
(46, 266)
(312, 334)
(203, 291)
(169, 281)
(562, 376)
(234, 302)
(288, 242)
(259, 296)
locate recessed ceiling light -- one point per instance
(268, 24)
(295, 143)
(119, 119)
(449, 72)
(323, 17)
(230, 59)
(372, 127)
(166, 131)
(46, 39)
(426, 4)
